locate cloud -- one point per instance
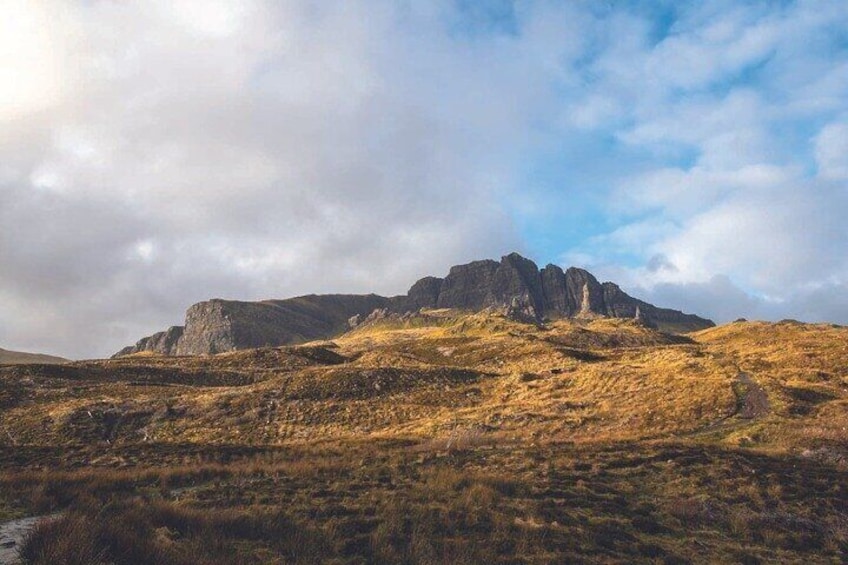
(719, 296)
(259, 151)
(725, 301)
(832, 151)
(157, 154)
(735, 116)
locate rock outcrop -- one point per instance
(163, 343)
(424, 293)
(514, 286)
(518, 287)
(217, 325)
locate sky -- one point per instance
(159, 153)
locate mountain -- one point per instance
(515, 286)
(19, 358)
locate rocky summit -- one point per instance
(514, 286)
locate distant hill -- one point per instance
(514, 286)
(19, 358)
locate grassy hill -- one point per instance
(17, 357)
(444, 438)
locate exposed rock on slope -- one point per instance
(219, 325)
(160, 342)
(514, 285)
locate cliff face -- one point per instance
(466, 286)
(517, 286)
(515, 282)
(162, 343)
(514, 285)
(209, 327)
(424, 293)
(219, 325)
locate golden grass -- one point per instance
(597, 380)
(408, 440)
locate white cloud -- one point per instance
(35, 38)
(832, 151)
(199, 150)
(156, 154)
(731, 92)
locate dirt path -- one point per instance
(754, 402)
(12, 534)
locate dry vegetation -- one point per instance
(17, 357)
(442, 438)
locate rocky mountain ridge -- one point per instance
(515, 286)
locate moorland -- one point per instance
(441, 437)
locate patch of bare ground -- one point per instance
(754, 402)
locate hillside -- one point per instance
(17, 357)
(444, 436)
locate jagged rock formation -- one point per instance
(160, 342)
(514, 286)
(517, 286)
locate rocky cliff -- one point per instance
(515, 286)
(216, 325)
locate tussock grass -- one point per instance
(444, 437)
(391, 503)
(163, 533)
